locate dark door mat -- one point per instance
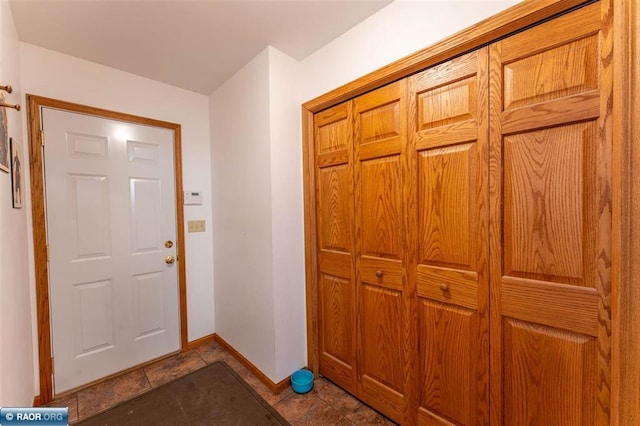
(213, 395)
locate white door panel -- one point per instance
(110, 208)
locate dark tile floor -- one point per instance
(326, 404)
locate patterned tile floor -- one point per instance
(326, 404)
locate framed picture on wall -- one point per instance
(4, 137)
(16, 174)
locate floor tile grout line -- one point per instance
(73, 396)
(118, 401)
(201, 357)
(146, 376)
(283, 399)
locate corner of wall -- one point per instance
(241, 193)
(287, 214)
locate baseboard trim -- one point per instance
(274, 387)
(37, 401)
(201, 341)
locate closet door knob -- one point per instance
(378, 274)
(444, 287)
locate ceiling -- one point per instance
(196, 45)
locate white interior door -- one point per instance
(110, 200)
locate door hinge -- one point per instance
(47, 252)
(42, 137)
(53, 367)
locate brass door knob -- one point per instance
(169, 259)
(444, 287)
(168, 244)
(378, 274)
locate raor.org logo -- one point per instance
(34, 416)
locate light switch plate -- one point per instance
(196, 226)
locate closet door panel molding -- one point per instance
(336, 281)
(551, 223)
(384, 298)
(449, 144)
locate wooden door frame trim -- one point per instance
(626, 215)
(626, 170)
(36, 159)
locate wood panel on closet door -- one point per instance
(449, 144)
(550, 181)
(333, 137)
(385, 324)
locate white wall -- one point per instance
(401, 28)
(240, 149)
(286, 215)
(52, 74)
(257, 192)
(16, 349)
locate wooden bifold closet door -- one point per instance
(336, 282)
(450, 150)
(464, 223)
(551, 223)
(367, 332)
(384, 294)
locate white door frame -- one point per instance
(35, 104)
